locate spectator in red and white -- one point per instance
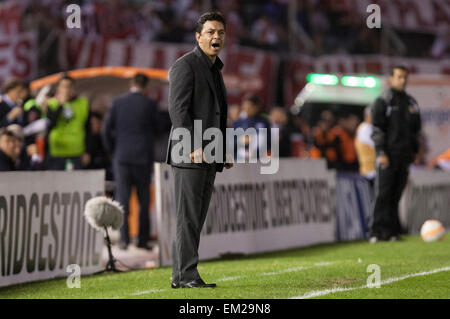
(149, 24)
(190, 16)
(264, 32)
(441, 45)
(230, 10)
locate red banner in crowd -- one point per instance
(18, 56)
(11, 15)
(246, 70)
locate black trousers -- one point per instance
(389, 185)
(126, 176)
(193, 190)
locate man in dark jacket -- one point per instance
(14, 91)
(8, 146)
(128, 133)
(396, 128)
(196, 93)
(253, 118)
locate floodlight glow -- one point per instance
(370, 82)
(324, 79)
(359, 81)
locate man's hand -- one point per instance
(197, 156)
(32, 150)
(228, 161)
(85, 159)
(383, 160)
(14, 113)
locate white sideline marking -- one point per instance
(284, 271)
(231, 278)
(324, 263)
(137, 293)
(144, 292)
(318, 264)
(318, 293)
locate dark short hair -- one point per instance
(8, 132)
(399, 67)
(97, 115)
(12, 84)
(140, 80)
(5, 131)
(67, 77)
(252, 98)
(209, 16)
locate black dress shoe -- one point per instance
(175, 285)
(198, 283)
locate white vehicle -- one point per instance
(352, 93)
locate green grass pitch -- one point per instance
(410, 268)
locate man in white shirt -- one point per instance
(365, 147)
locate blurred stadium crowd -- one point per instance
(36, 134)
(42, 132)
(314, 27)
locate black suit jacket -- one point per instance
(6, 163)
(193, 96)
(4, 110)
(129, 128)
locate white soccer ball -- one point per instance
(432, 230)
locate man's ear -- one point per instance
(197, 36)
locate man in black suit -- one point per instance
(8, 142)
(196, 92)
(14, 92)
(128, 133)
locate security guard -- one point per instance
(396, 128)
